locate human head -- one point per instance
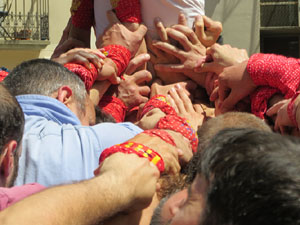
(11, 133)
(228, 120)
(45, 77)
(246, 176)
(211, 127)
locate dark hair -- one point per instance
(43, 77)
(254, 178)
(103, 117)
(228, 120)
(11, 118)
(211, 127)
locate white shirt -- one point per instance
(166, 10)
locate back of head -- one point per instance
(228, 120)
(254, 178)
(211, 127)
(43, 77)
(11, 118)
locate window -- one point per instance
(24, 20)
(279, 27)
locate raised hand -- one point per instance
(234, 83)
(207, 30)
(184, 107)
(132, 90)
(220, 57)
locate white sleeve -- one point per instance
(101, 21)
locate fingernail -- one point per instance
(146, 56)
(180, 152)
(173, 89)
(178, 86)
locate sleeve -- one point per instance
(114, 107)
(88, 76)
(127, 10)
(259, 100)
(82, 12)
(275, 71)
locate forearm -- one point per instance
(98, 90)
(82, 16)
(83, 203)
(275, 71)
(83, 35)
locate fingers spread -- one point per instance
(181, 38)
(170, 49)
(161, 30)
(188, 33)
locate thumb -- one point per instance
(141, 31)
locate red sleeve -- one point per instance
(260, 98)
(275, 71)
(3, 74)
(128, 10)
(86, 75)
(82, 12)
(119, 55)
(114, 107)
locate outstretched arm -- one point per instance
(90, 201)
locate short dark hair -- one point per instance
(254, 178)
(43, 77)
(211, 127)
(228, 120)
(11, 118)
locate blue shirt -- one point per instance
(56, 148)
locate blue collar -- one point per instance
(47, 107)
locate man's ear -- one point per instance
(64, 94)
(7, 158)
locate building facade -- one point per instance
(32, 28)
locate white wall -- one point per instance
(240, 19)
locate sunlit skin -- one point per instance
(186, 206)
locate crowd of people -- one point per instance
(161, 124)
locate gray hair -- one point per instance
(44, 77)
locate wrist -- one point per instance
(119, 54)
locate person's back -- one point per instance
(166, 10)
(57, 147)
